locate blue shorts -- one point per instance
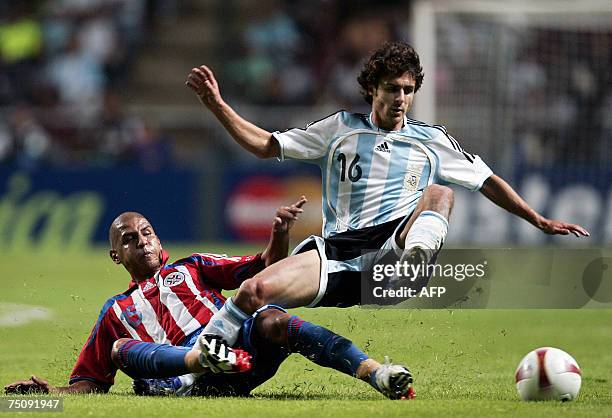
(265, 360)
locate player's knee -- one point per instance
(115, 350)
(438, 191)
(272, 326)
(251, 295)
(440, 194)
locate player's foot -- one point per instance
(416, 256)
(219, 357)
(159, 387)
(418, 260)
(394, 381)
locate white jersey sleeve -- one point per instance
(456, 165)
(310, 143)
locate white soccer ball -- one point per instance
(548, 374)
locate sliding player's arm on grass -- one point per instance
(38, 385)
(94, 370)
(254, 139)
(503, 195)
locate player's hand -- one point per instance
(22, 387)
(202, 81)
(553, 227)
(287, 215)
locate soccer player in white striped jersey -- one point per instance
(384, 178)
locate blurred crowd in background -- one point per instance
(310, 51)
(553, 84)
(94, 113)
(544, 88)
(65, 64)
(561, 95)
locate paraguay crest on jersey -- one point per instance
(132, 316)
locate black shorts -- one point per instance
(344, 257)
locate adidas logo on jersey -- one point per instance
(384, 147)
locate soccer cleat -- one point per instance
(394, 381)
(418, 260)
(159, 387)
(219, 357)
(416, 256)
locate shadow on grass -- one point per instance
(288, 396)
(282, 395)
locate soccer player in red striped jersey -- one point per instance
(148, 330)
(165, 302)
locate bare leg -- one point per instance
(435, 198)
(290, 283)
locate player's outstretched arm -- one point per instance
(38, 385)
(254, 139)
(503, 195)
(278, 247)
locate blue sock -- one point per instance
(323, 347)
(139, 359)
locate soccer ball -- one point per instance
(548, 374)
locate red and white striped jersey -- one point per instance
(178, 300)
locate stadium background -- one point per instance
(95, 118)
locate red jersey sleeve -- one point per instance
(227, 272)
(94, 362)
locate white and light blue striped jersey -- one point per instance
(371, 176)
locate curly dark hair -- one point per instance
(391, 59)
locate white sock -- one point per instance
(227, 322)
(187, 381)
(428, 231)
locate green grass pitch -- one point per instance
(463, 360)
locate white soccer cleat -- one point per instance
(394, 381)
(219, 357)
(161, 387)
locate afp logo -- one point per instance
(174, 278)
